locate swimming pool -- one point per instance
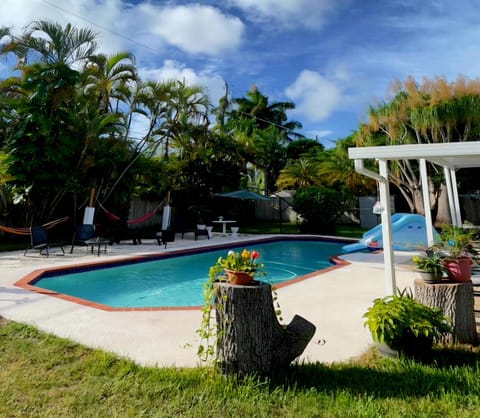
(177, 280)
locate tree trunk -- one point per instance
(443, 210)
(250, 339)
(456, 302)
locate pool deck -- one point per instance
(334, 301)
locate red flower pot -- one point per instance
(238, 277)
(458, 269)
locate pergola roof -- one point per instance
(451, 156)
(454, 155)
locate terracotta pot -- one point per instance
(239, 277)
(458, 269)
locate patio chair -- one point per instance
(165, 236)
(39, 241)
(183, 226)
(83, 233)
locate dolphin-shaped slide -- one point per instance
(408, 233)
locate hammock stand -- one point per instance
(26, 231)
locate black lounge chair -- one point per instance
(83, 236)
(184, 226)
(39, 241)
(165, 236)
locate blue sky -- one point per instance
(332, 58)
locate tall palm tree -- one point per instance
(4, 33)
(270, 155)
(256, 106)
(110, 78)
(53, 44)
(185, 104)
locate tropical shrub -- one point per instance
(404, 324)
(320, 207)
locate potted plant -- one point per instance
(405, 325)
(430, 266)
(456, 246)
(238, 267)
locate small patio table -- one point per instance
(98, 241)
(224, 226)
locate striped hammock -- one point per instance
(26, 231)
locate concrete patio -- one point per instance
(334, 301)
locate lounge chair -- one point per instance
(165, 236)
(183, 225)
(83, 234)
(39, 241)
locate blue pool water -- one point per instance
(177, 281)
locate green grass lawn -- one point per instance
(45, 376)
(349, 231)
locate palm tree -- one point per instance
(110, 78)
(173, 107)
(53, 44)
(337, 169)
(255, 106)
(4, 33)
(298, 173)
(270, 155)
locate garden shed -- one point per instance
(451, 156)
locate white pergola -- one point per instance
(451, 156)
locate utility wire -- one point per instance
(154, 50)
(100, 26)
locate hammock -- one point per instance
(138, 220)
(26, 231)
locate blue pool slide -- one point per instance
(408, 232)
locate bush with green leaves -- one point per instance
(400, 322)
(320, 207)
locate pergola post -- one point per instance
(451, 203)
(426, 200)
(390, 281)
(458, 215)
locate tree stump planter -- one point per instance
(456, 302)
(250, 340)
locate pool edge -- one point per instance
(27, 282)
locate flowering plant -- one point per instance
(244, 260)
(430, 263)
(456, 242)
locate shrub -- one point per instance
(320, 208)
(402, 322)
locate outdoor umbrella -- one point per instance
(243, 195)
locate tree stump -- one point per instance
(250, 338)
(456, 302)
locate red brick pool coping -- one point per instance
(27, 282)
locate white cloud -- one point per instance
(315, 96)
(108, 18)
(195, 29)
(172, 70)
(292, 13)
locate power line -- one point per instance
(100, 26)
(156, 51)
